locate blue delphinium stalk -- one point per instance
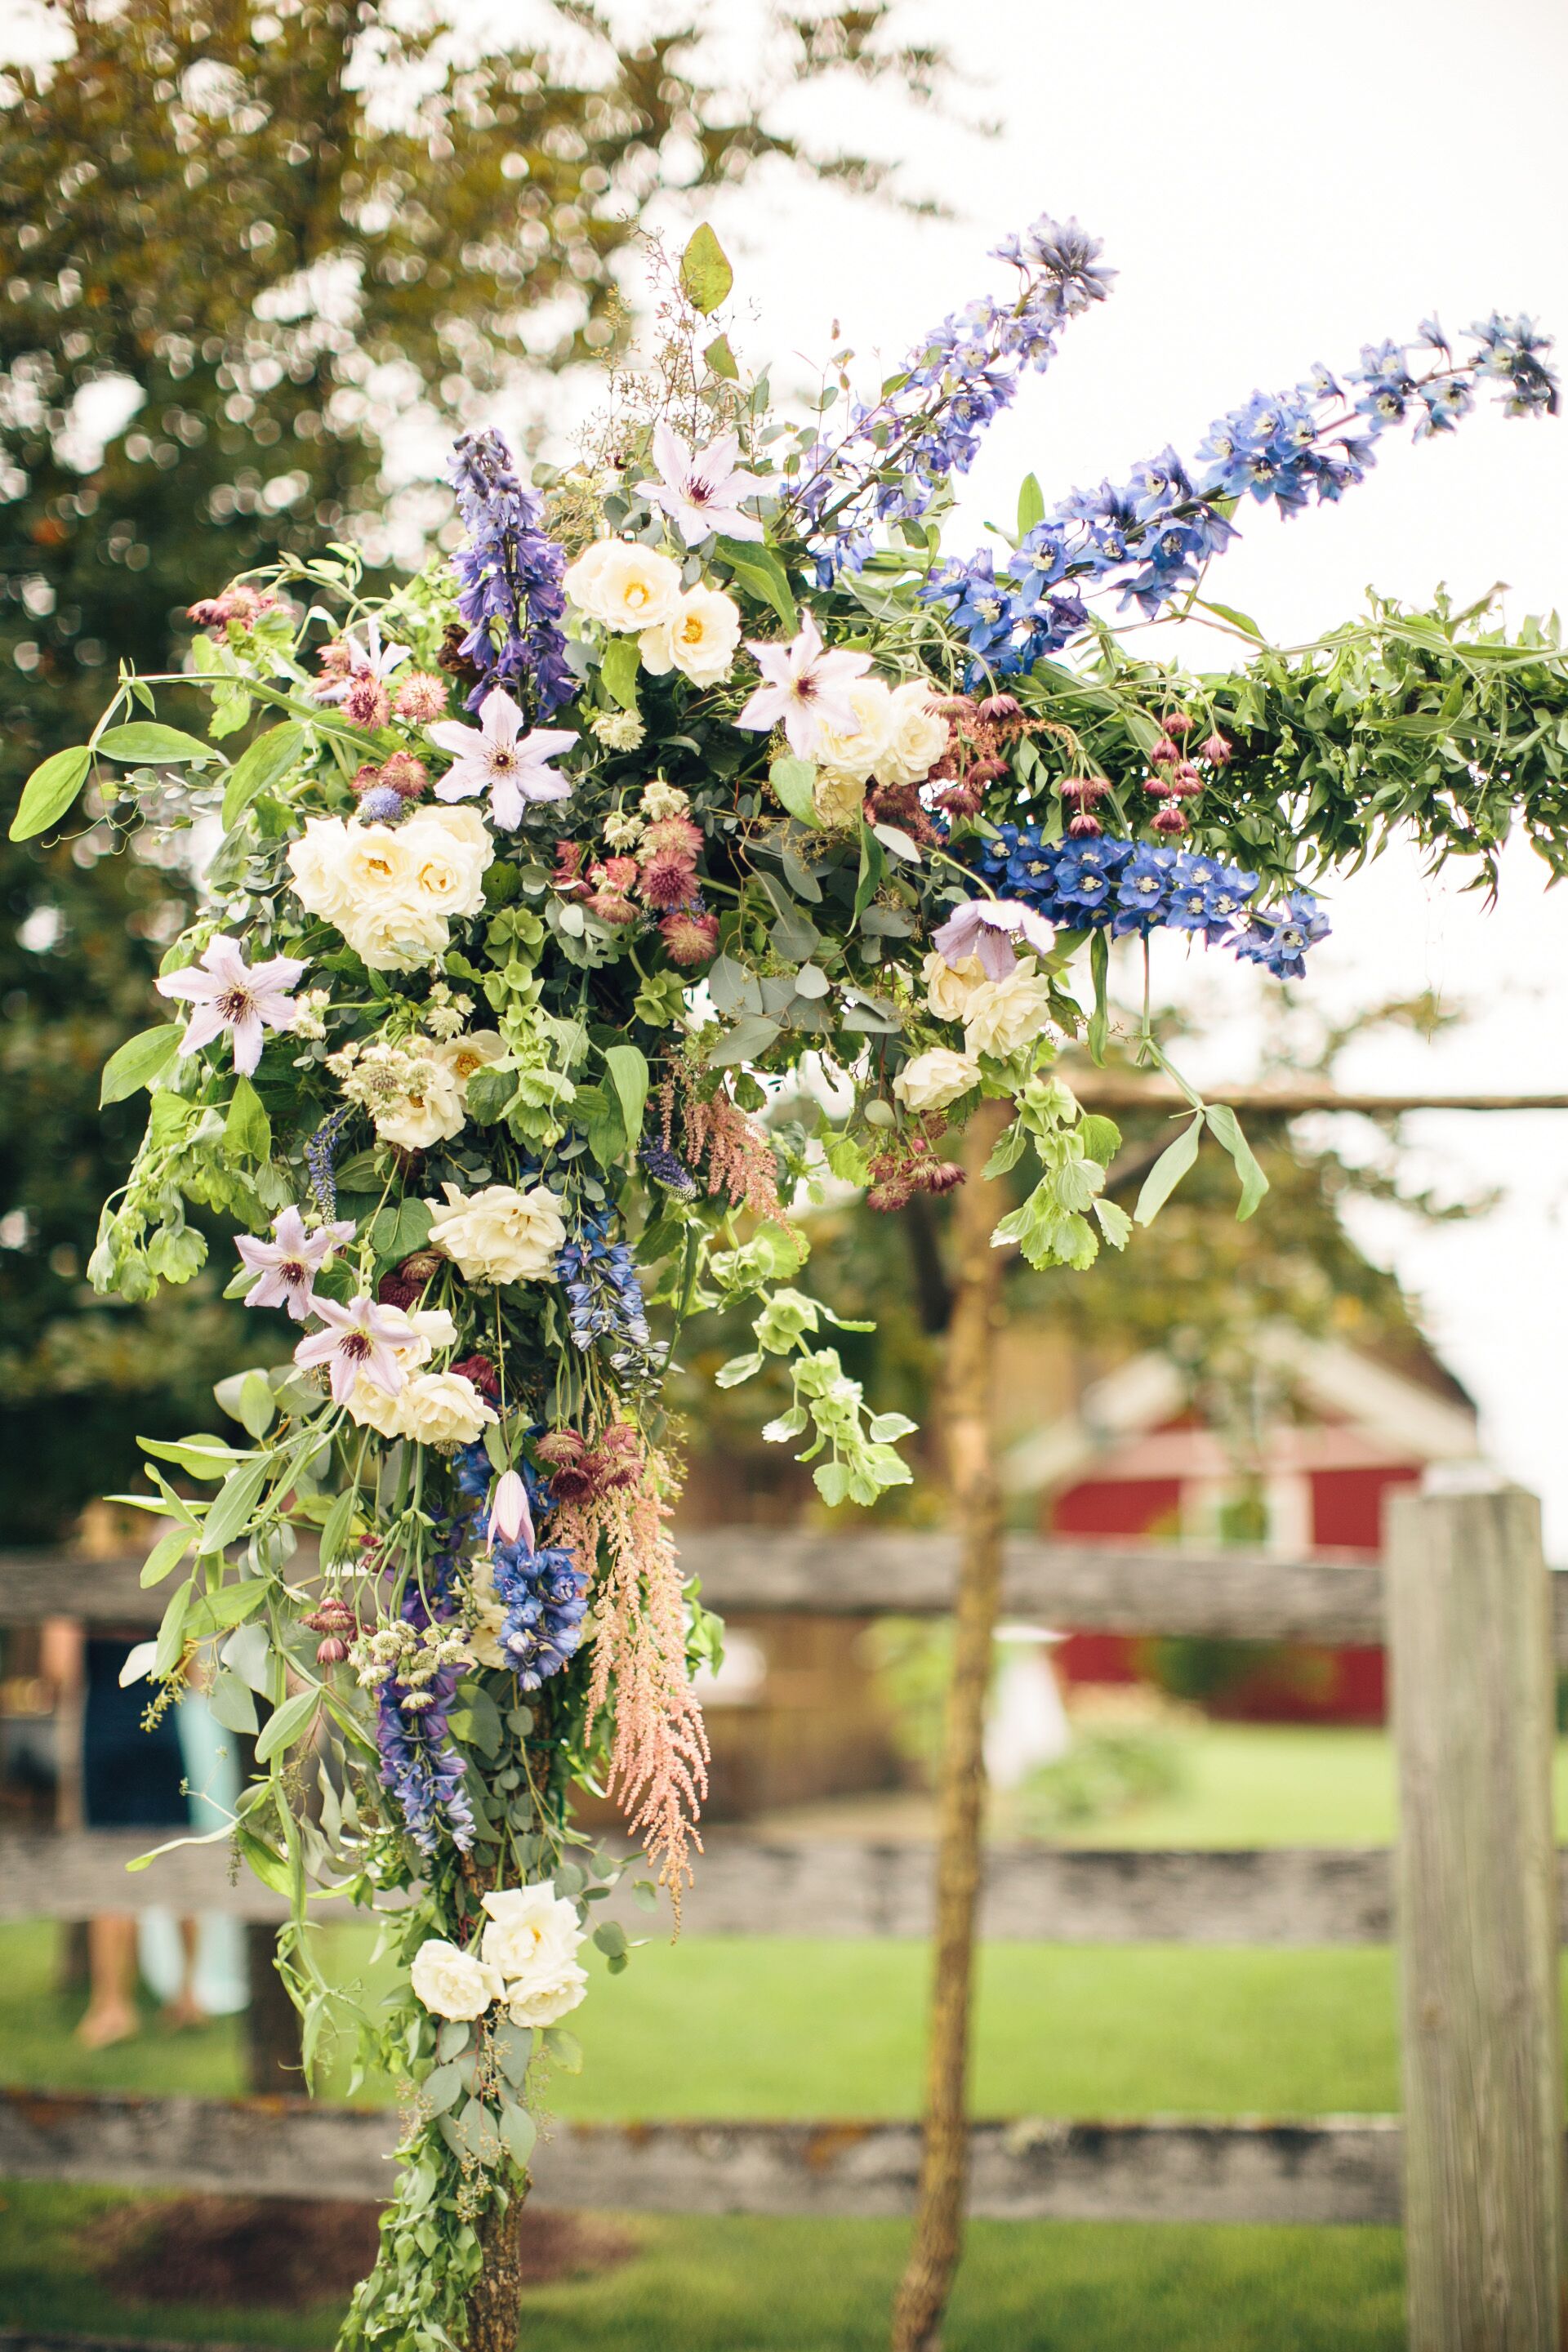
(926, 425)
(604, 1297)
(420, 1770)
(1150, 538)
(543, 1592)
(667, 1168)
(509, 580)
(321, 1152)
(1132, 888)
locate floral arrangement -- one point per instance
(571, 908)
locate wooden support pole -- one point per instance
(975, 1498)
(1469, 1634)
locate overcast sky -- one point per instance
(1275, 186)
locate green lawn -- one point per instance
(816, 2027)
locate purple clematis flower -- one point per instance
(489, 758)
(226, 992)
(290, 1263)
(700, 490)
(990, 928)
(805, 686)
(360, 1337)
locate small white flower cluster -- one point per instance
(413, 1088)
(396, 1652)
(527, 1959)
(445, 1011)
(623, 828)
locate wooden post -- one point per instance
(495, 2305)
(976, 1503)
(1470, 1642)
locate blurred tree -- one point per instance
(252, 254)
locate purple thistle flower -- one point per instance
(509, 575)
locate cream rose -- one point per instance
(916, 736)
(391, 890)
(489, 1614)
(452, 1983)
(699, 641)
(935, 1078)
(431, 1108)
(950, 987)
(499, 1234)
(531, 1942)
(839, 801)
(625, 585)
(854, 752)
(431, 1407)
(1003, 1014)
(429, 1328)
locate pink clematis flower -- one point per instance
(226, 992)
(360, 1337)
(700, 489)
(804, 686)
(510, 1515)
(988, 927)
(489, 758)
(290, 1263)
(370, 659)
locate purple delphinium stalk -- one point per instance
(544, 1591)
(420, 1770)
(926, 425)
(1150, 538)
(509, 575)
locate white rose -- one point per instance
(950, 987)
(1003, 1015)
(315, 861)
(390, 935)
(935, 1078)
(531, 1942)
(855, 752)
(499, 1234)
(452, 1983)
(623, 585)
(916, 736)
(431, 1108)
(489, 1614)
(699, 641)
(448, 850)
(443, 1408)
(839, 801)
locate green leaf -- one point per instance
(795, 784)
(287, 1723)
(337, 1528)
(706, 276)
(139, 1062)
(1225, 1128)
(171, 1632)
(873, 866)
(247, 1131)
(610, 1938)
(628, 1066)
(1007, 1149)
(145, 740)
(257, 1405)
(564, 2048)
(259, 768)
(1114, 1222)
(520, 2131)
(399, 1231)
(1031, 504)
(165, 1555)
(743, 1043)
(1242, 620)
(1100, 1136)
(265, 1860)
(514, 2047)
(452, 2039)
(720, 358)
(201, 1456)
(443, 2088)
(759, 570)
(231, 1702)
(618, 668)
(476, 1718)
(233, 1505)
(49, 790)
(218, 1613)
(1168, 1171)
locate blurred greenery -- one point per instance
(259, 262)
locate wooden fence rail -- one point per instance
(1332, 2169)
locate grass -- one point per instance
(810, 2026)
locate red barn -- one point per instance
(1332, 1430)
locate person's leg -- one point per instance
(112, 1965)
(185, 2009)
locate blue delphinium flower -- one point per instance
(320, 1153)
(420, 1770)
(545, 1596)
(509, 591)
(667, 1169)
(1135, 888)
(1150, 539)
(604, 1297)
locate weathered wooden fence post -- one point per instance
(1470, 1645)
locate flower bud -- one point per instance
(510, 1515)
(1168, 817)
(1216, 751)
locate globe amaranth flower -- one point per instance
(509, 590)
(226, 992)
